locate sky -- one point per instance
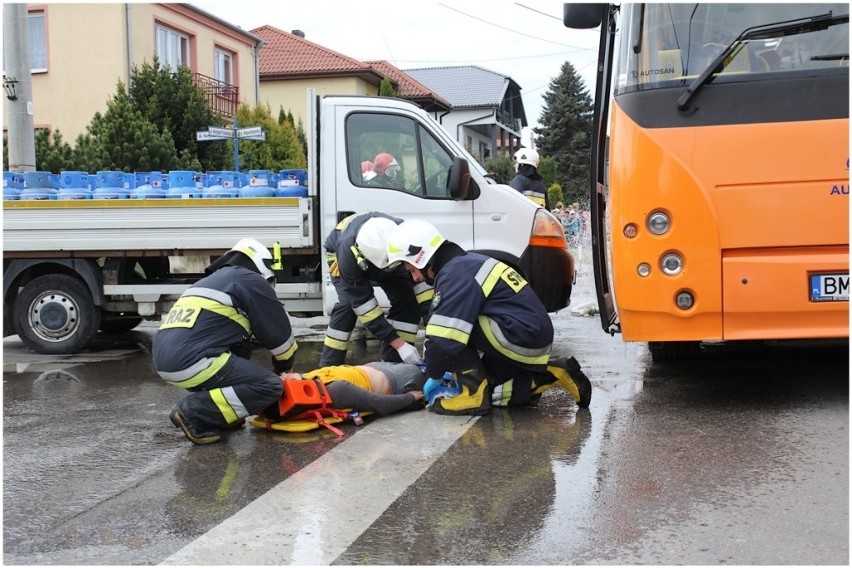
(523, 40)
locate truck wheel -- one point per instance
(55, 314)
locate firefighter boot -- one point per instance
(192, 433)
(567, 371)
(474, 399)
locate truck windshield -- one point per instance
(669, 45)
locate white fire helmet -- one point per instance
(415, 242)
(525, 156)
(372, 240)
(259, 255)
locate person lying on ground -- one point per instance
(379, 387)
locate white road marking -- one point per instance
(316, 514)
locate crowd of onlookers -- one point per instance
(575, 223)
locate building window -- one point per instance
(223, 70)
(38, 42)
(172, 48)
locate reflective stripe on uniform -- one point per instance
(488, 275)
(229, 404)
(336, 339)
(493, 272)
(455, 329)
(286, 349)
(527, 355)
(368, 311)
(502, 394)
(536, 198)
(407, 331)
(423, 293)
(197, 373)
(213, 301)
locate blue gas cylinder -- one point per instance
(74, 185)
(13, 184)
(110, 185)
(292, 183)
(182, 185)
(222, 184)
(38, 186)
(258, 185)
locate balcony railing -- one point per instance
(223, 98)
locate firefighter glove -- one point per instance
(409, 354)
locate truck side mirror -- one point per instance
(459, 179)
(583, 16)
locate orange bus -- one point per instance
(720, 172)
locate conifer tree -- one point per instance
(566, 132)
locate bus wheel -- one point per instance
(55, 314)
(662, 351)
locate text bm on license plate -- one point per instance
(829, 287)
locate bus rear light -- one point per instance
(671, 264)
(631, 230)
(658, 223)
(684, 299)
(643, 270)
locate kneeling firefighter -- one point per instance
(483, 306)
(204, 344)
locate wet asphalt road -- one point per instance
(738, 457)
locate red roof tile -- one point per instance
(289, 55)
(407, 86)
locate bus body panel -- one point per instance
(753, 202)
(767, 293)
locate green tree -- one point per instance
(300, 130)
(172, 101)
(501, 169)
(123, 139)
(386, 88)
(554, 194)
(566, 132)
(281, 150)
(547, 171)
(52, 153)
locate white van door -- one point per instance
(391, 161)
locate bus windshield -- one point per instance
(669, 45)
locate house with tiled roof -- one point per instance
(290, 64)
(410, 89)
(487, 113)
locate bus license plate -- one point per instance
(829, 287)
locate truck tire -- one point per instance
(55, 314)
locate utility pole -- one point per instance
(20, 131)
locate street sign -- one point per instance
(249, 132)
(261, 136)
(220, 132)
(204, 135)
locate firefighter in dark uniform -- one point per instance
(356, 252)
(487, 326)
(204, 344)
(527, 179)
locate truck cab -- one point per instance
(437, 181)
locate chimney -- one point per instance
(299, 33)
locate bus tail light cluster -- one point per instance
(671, 263)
